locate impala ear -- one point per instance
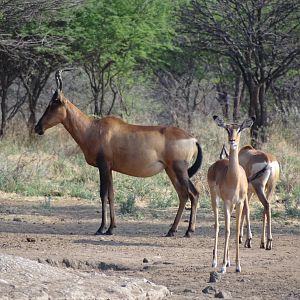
(247, 123)
(219, 121)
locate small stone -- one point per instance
(209, 290)
(30, 240)
(223, 295)
(189, 291)
(17, 219)
(214, 277)
(145, 260)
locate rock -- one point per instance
(16, 219)
(69, 263)
(223, 295)
(189, 291)
(209, 290)
(145, 260)
(214, 277)
(30, 240)
(26, 279)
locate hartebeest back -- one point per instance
(110, 144)
(227, 180)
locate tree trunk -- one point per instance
(3, 113)
(32, 117)
(238, 96)
(258, 108)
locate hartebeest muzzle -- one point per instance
(39, 129)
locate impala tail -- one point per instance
(197, 164)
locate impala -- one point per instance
(227, 180)
(262, 170)
(111, 144)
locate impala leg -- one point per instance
(242, 226)
(111, 204)
(239, 210)
(246, 211)
(227, 211)
(214, 205)
(266, 217)
(177, 179)
(244, 214)
(269, 193)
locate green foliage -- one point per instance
(128, 206)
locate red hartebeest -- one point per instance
(227, 180)
(111, 144)
(262, 170)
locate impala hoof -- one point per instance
(269, 245)
(238, 269)
(262, 245)
(240, 239)
(228, 263)
(223, 270)
(248, 243)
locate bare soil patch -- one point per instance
(61, 235)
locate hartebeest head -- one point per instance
(56, 112)
(234, 130)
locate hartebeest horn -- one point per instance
(58, 80)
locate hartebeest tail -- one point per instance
(110, 144)
(197, 164)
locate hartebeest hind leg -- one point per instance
(185, 190)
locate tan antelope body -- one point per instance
(227, 180)
(262, 170)
(111, 144)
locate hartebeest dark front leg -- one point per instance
(104, 198)
(106, 193)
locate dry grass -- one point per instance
(54, 165)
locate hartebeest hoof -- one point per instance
(171, 233)
(248, 243)
(188, 234)
(100, 231)
(109, 232)
(269, 244)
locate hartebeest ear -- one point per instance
(247, 123)
(219, 121)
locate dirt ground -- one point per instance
(60, 233)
